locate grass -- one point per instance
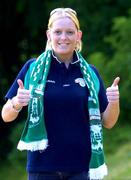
(119, 164)
(12, 171)
(118, 152)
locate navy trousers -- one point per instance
(58, 176)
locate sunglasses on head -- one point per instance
(65, 9)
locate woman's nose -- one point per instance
(63, 35)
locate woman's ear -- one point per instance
(48, 35)
(79, 35)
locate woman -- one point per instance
(67, 106)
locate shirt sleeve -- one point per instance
(102, 92)
(21, 75)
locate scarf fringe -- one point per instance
(33, 146)
(98, 173)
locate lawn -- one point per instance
(119, 164)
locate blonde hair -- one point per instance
(64, 12)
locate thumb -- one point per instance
(20, 83)
(116, 82)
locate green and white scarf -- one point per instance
(34, 136)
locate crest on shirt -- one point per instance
(80, 81)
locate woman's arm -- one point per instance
(10, 110)
(111, 114)
(13, 106)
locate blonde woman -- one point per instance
(67, 107)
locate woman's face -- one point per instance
(63, 36)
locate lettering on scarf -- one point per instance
(34, 113)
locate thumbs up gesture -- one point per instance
(23, 95)
(112, 92)
(20, 83)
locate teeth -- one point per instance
(63, 44)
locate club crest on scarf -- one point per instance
(96, 139)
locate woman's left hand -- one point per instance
(112, 92)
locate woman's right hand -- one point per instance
(23, 96)
(13, 106)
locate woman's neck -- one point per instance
(67, 59)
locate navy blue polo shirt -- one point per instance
(66, 119)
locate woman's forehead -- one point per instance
(63, 22)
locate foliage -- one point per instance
(118, 63)
(106, 27)
(14, 138)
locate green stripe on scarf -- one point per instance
(34, 136)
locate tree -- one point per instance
(119, 63)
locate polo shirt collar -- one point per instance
(75, 58)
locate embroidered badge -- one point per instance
(80, 81)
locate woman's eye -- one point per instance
(70, 32)
(57, 32)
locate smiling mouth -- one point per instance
(63, 44)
